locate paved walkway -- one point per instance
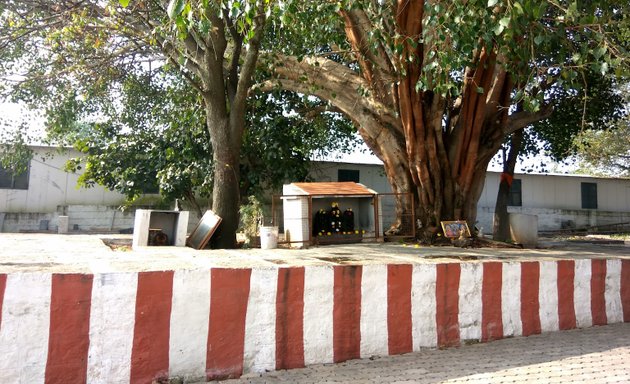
(593, 355)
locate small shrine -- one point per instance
(159, 228)
(330, 213)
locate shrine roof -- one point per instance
(334, 188)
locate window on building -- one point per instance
(348, 175)
(515, 197)
(589, 195)
(10, 180)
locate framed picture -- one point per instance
(455, 229)
(204, 230)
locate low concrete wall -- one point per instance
(220, 323)
(84, 217)
(555, 219)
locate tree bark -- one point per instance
(225, 186)
(501, 228)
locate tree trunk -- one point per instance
(225, 186)
(501, 229)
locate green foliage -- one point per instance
(251, 217)
(594, 107)
(285, 131)
(538, 42)
(607, 151)
(15, 153)
(155, 139)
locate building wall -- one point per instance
(556, 199)
(52, 192)
(145, 327)
(371, 175)
(49, 187)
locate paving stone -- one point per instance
(597, 355)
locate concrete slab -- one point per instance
(29, 252)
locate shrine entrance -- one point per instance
(330, 213)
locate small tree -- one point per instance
(251, 218)
(607, 151)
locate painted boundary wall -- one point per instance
(140, 327)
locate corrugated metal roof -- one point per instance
(334, 188)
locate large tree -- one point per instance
(435, 87)
(51, 48)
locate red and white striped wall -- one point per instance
(221, 323)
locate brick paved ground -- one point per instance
(594, 355)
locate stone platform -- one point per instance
(73, 310)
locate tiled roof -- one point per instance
(334, 188)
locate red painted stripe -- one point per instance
(229, 293)
(492, 312)
(69, 339)
(3, 285)
(530, 304)
(566, 291)
(598, 290)
(347, 313)
(447, 304)
(149, 354)
(400, 339)
(290, 318)
(625, 290)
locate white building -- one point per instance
(34, 201)
(559, 201)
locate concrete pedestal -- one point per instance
(174, 224)
(524, 229)
(62, 224)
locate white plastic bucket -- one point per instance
(268, 237)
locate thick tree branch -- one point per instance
(247, 69)
(375, 64)
(522, 119)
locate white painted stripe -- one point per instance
(582, 293)
(260, 322)
(25, 328)
(190, 315)
(548, 296)
(318, 314)
(112, 319)
(614, 312)
(511, 299)
(374, 335)
(470, 303)
(423, 306)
